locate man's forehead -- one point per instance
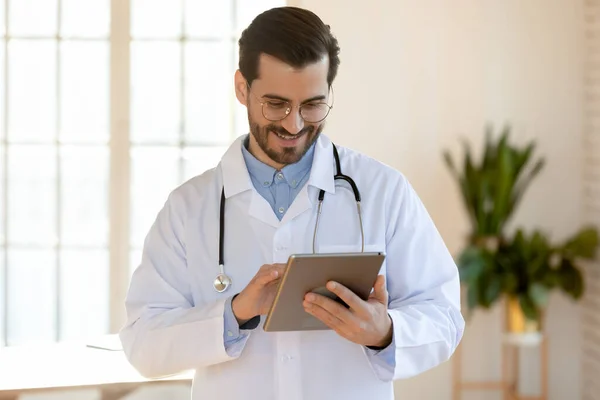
(276, 75)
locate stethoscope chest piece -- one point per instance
(222, 283)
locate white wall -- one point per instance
(416, 75)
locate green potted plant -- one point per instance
(525, 268)
(521, 267)
(492, 189)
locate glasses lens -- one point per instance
(276, 110)
(314, 112)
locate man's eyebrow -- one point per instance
(277, 97)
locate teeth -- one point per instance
(285, 137)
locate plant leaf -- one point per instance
(523, 184)
(471, 264)
(539, 295)
(583, 244)
(472, 295)
(528, 307)
(450, 163)
(571, 280)
(493, 290)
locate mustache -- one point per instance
(281, 130)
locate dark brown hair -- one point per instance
(293, 35)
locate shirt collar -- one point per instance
(236, 177)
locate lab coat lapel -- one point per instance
(321, 177)
(261, 210)
(236, 180)
(322, 170)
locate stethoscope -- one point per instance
(223, 281)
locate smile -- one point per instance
(286, 137)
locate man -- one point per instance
(181, 317)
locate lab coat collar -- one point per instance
(236, 177)
(322, 171)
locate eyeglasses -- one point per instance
(276, 110)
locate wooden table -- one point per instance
(66, 366)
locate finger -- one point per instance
(330, 306)
(379, 291)
(268, 274)
(331, 320)
(345, 324)
(348, 296)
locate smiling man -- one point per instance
(216, 252)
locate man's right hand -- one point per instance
(257, 297)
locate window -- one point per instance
(104, 108)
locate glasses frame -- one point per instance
(289, 109)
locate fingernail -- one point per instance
(332, 285)
(275, 273)
(310, 297)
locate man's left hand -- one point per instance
(365, 322)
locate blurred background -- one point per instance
(107, 105)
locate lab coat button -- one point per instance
(286, 358)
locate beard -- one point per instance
(285, 155)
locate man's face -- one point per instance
(278, 143)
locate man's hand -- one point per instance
(258, 295)
(365, 322)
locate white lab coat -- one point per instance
(175, 316)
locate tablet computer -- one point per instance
(310, 273)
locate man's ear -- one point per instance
(241, 88)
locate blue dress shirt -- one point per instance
(279, 188)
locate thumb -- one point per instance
(379, 291)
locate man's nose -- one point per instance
(293, 123)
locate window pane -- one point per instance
(209, 92)
(84, 195)
(208, 18)
(31, 296)
(241, 120)
(32, 17)
(155, 18)
(246, 11)
(32, 90)
(155, 172)
(2, 149)
(2, 29)
(84, 290)
(2, 193)
(85, 18)
(31, 195)
(199, 159)
(84, 91)
(239, 111)
(155, 92)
